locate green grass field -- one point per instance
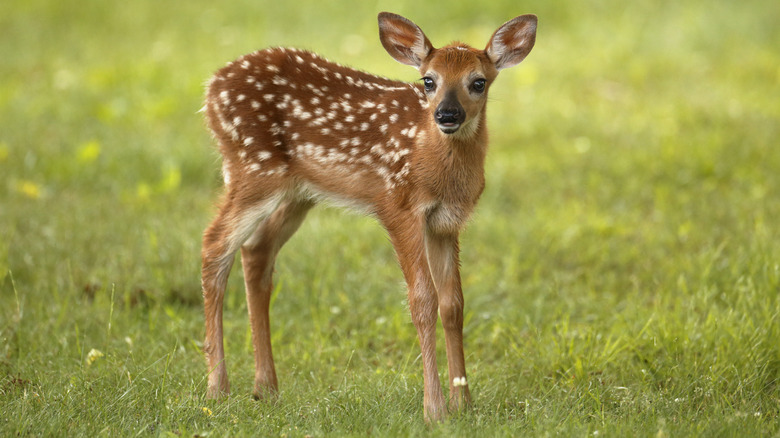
(621, 274)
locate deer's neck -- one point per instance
(451, 167)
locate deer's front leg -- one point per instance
(408, 237)
(444, 262)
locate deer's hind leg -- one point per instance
(257, 257)
(234, 224)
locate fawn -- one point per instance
(295, 129)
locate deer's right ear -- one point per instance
(403, 40)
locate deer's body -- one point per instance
(324, 131)
(295, 129)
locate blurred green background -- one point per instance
(621, 273)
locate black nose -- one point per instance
(448, 115)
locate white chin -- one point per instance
(449, 129)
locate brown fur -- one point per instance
(295, 129)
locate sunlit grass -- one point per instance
(621, 273)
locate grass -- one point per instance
(621, 273)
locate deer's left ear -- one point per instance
(403, 40)
(512, 42)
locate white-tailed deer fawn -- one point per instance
(295, 129)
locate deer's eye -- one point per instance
(478, 86)
(429, 84)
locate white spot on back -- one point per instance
(225, 97)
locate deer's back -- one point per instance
(286, 111)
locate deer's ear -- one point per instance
(403, 40)
(512, 42)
